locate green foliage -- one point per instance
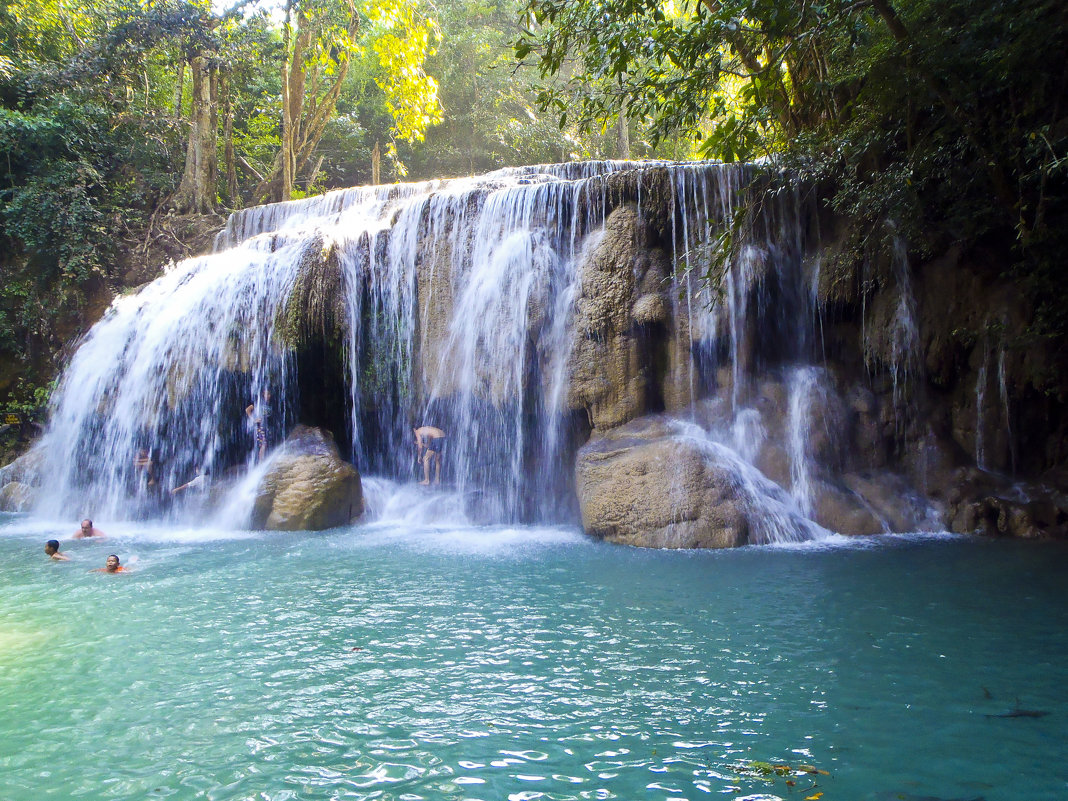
(929, 122)
(401, 36)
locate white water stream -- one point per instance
(458, 301)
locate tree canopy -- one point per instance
(934, 121)
(939, 122)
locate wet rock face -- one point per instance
(26, 469)
(308, 487)
(621, 304)
(988, 504)
(640, 485)
(17, 497)
(18, 482)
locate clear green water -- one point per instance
(527, 664)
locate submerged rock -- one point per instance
(308, 487)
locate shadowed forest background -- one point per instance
(128, 129)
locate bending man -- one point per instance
(429, 444)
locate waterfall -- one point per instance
(904, 333)
(166, 374)
(1003, 391)
(802, 385)
(980, 411)
(373, 310)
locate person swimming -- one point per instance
(111, 566)
(52, 549)
(87, 530)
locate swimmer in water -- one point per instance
(111, 566)
(52, 549)
(87, 530)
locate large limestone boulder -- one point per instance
(308, 486)
(17, 497)
(621, 315)
(843, 511)
(643, 484)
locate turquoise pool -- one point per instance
(396, 662)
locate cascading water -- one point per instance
(165, 376)
(904, 334)
(803, 384)
(447, 303)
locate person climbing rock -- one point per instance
(145, 469)
(430, 446)
(197, 483)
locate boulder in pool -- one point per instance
(308, 486)
(642, 484)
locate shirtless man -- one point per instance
(52, 549)
(144, 467)
(111, 566)
(87, 530)
(429, 444)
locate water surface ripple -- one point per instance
(381, 663)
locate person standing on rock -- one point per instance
(429, 445)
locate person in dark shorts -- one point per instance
(429, 444)
(259, 412)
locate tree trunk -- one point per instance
(285, 191)
(302, 125)
(623, 135)
(376, 165)
(314, 172)
(179, 90)
(196, 193)
(233, 192)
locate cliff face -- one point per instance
(638, 346)
(985, 423)
(928, 403)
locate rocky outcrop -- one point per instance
(18, 482)
(622, 306)
(17, 497)
(308, 486)
(644, 484)
(984, 503)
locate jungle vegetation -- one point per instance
(939, 122)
